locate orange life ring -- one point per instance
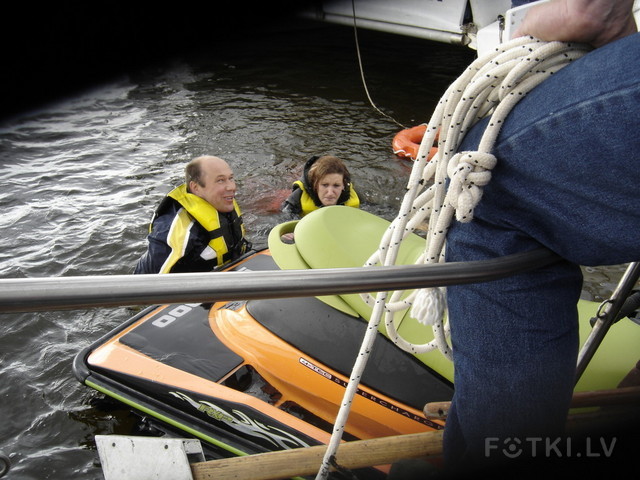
(407, 142)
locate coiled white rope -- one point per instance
(491, 85)
(449, 184)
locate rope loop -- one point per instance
(450, 185)
(468, 173)
(428, 306)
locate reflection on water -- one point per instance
(80, 180)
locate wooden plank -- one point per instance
(602, 398)
(595, 398)
(307, 461)
(382, 451)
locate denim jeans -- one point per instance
(567, 179)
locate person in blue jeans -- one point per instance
(566, 179)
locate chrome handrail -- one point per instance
(67, 293)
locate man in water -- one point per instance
(198, 226)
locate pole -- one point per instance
(306, 461)
(606, 318)
(64, 293)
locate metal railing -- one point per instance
(79, 292)
(66, 293)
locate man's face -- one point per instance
(219, 186)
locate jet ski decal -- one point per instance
(242, 423)
(384, 403)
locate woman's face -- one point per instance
(330, 188)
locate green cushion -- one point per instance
(287, 257)
(340, 237)
(344, 237)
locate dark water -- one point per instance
(80, 178)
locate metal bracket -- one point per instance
(133, 458)
(606, 316)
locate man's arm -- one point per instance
(596, 22)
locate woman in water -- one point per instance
(325, 181)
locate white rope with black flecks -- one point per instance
(491, 85)
(447, 185)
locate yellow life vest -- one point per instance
(220, 229)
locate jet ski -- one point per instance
(255, 376)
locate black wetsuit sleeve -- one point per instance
(292, 204)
